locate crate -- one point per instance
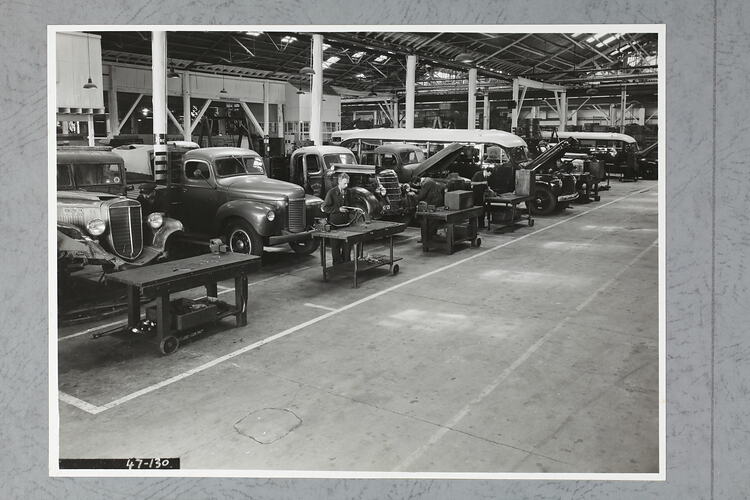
(458, 200)
(523, 182)
(186, 314)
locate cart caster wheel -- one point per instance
(597, 198)
(395, 269)
(169, 345)
(477, 242)
(531, 222)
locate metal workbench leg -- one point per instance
(390, 244)
(449, 236)
(212, 290)
(134, 306)
(323, 257)
(163, 318)
(240, 299)
(423, 227)
(356, 260)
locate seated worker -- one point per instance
(502, 179)
(480, 188)
(334, 205)
(431, 192)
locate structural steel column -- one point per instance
(411, 70)
(187, 125)
(563, 111)
(472, 115)
(266, 117)
(395, 112)
(514, 111)
(159, 96)
(486, 111)
(316, 99)
(114, 112)
(90, 128)
(623, 99)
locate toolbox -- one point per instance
(187, 313)
(458, 200)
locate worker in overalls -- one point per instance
(335, 204)
(480, 188)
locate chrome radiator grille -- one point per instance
(392, 189)
(125, 230)
(568, 184)
(296, 215)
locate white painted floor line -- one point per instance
(224, 288)
(79, 403)
(319, 307)
(453, 421)
(327, 315)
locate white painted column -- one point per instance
(623, 102)
(316, 99)
(90, 128)
(411, 70)
(514, 111)
(472, 114)
(159, 96)
(563, 111)
(280, 120)
(395, 112)
(114, 112)
(486, 111)
(187, 119)
(612, 118)
(266, 114)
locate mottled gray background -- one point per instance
(707, 242)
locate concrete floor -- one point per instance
(537, 352)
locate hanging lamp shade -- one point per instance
(464, 57)
(307, 70)
(89, 84)
(172, 73)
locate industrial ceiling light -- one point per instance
(223, 90)
(479, 94)
(89, 84)
(307, 70)
(464, 57)
(172, 73)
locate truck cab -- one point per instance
(224, 191)
(375, 190)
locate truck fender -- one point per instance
(72, 243)
(251, 211)
(167, 229)
(374, 207)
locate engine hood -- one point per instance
(261, 187)
(84, 198)
(437, 162)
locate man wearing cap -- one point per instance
(480, 188)
(335, 204)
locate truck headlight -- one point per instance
(96, 227)
(155, 220)
(381, 190)
(271, 215)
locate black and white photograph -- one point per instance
(425, 251)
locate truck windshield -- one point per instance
(345, 158)
(95, 174)
(239, 165)
(409, 157)
(517, 154)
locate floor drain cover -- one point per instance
(268, 425)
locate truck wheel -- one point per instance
(544, 203)
(242, 238)
(305, 247)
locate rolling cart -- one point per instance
(460, 225)
(179, 319)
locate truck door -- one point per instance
(313, 175)
(198, 197)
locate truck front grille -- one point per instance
(296, 216)
(125, 228)
(568, 184)
(392, 189)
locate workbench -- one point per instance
(357, 235)
(174, 276)
(460, 225)
(508, 201)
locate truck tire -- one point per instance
(305, 247)
(242, 238)
(544, 203)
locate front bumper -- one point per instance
(567, 197)
(286, 237)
